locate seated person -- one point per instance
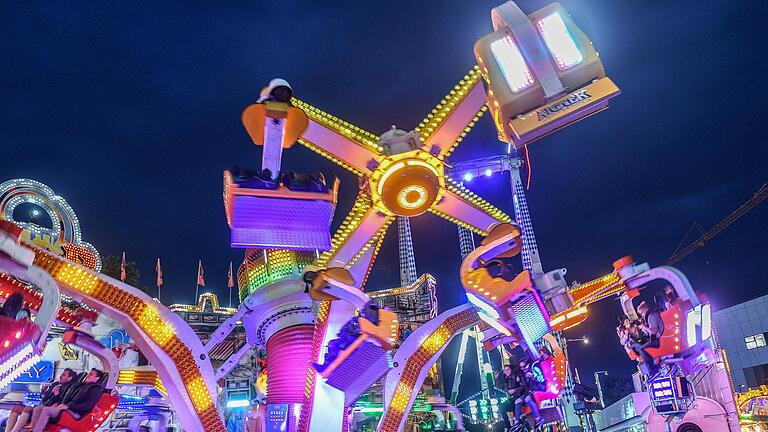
(24, 315)
(653, 326)
(12, 305)
(530, 385)
(629, 332)
(344, 338)
(51, 395)
(278, 90)
(78, 402)
(670, 297)
(511, 381)
(371, 312)
(348, 333)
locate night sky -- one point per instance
(132, 112)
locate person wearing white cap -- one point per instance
(278, 90)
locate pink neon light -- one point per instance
(287, 362)
(554, 386)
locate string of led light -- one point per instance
(416, 363)
(148, 320)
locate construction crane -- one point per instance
(756, 199)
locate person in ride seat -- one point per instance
(530, 385)
(344, 338)
(510, 380)
(371, 312)
(653, 326)
(78, 402)
(670, 297)
(278, 90)
(629, 332)
(24, 315)
(661, 301)
(51, 395)
(12, 305)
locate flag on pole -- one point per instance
(159, 271)
(122, 269)
(230, 283)
(200, 273)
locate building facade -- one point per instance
(742, 331)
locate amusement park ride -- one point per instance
(302, 292)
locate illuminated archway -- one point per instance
(64, 237)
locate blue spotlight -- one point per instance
(468, 176)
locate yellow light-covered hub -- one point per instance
(407, 184)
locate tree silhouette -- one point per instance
(616, 387)
(111, 268)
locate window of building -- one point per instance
(756, 376)
(755, 341)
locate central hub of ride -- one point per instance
(407, 184)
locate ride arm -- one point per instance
(341, 142)
(625, 281)
(335, 283)
(358, 232)
(232, 361)
(221, 333)
(354, 247)
(461, 206)
(167, 341)
(225, 329)
(413, 361)
(448, 123)
(384, 332)
(587, 293)
(273, 125)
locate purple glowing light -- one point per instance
(259, 222)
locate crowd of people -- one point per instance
(77, 397)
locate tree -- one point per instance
(616, 387)
(111, 268)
